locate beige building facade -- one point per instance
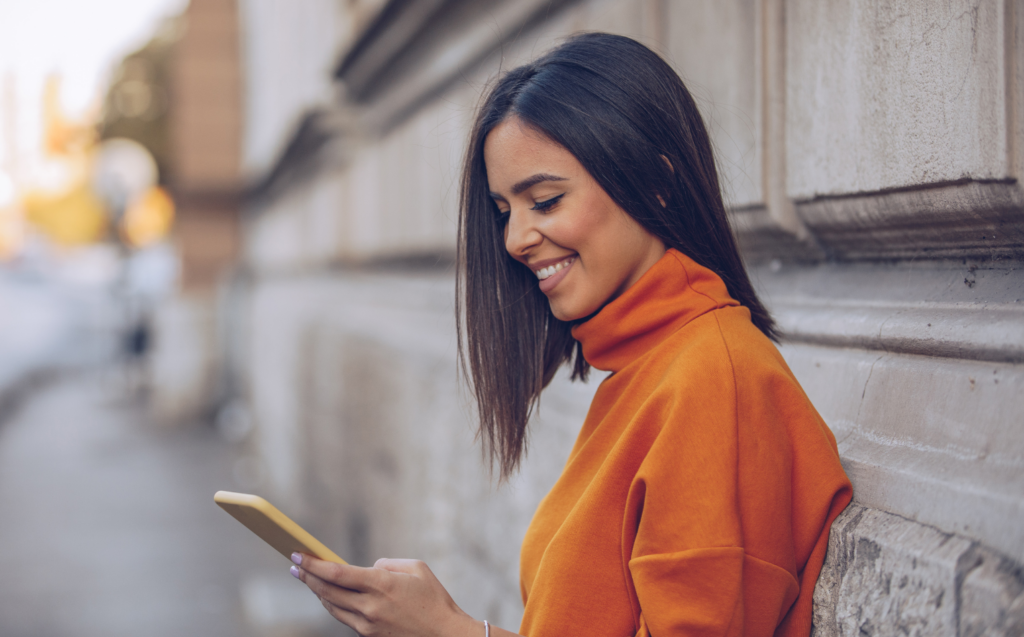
(871, 153)
(200, 131)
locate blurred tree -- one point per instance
(136, 104)
(180, 97)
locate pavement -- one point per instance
(108, 526)
(47, 324)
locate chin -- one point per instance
(561, 316)
(569, 312)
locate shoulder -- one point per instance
(770, 403)
(722, 346)
(720, 367)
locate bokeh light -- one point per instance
(148, 218)
(57, 58)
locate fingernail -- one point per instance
(294, 571)
(297, 558)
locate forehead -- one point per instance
(514, 151)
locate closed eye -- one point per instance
(547, 204)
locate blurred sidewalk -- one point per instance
(47, 325)
(108, 525)
(33, 324)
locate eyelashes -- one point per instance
(540, 206)
(547, 204)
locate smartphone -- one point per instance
(273, 527)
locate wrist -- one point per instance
(474, 628)
(464, 626)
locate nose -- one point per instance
(521, 233)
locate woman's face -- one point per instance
(560, 223)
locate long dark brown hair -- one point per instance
(621, 111)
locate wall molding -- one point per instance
(321, 136)
(970, 310)
(762, 238)
(993, 332)
(969, 218)
(391, 79)
(960, 219)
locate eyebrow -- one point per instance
(529, 182)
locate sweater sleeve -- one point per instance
(732, 500)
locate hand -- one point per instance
(395, 598)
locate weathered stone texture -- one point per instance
(954, 220)
(932, 438)
(992, 598)
(887, 575)
(715, 46)
(885, 94)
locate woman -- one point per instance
(699, 494)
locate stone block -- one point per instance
(287, 53)
(884, 94)
(716, 48)
(918, 372)
(826, 592)
(886, 575)
(613, 16)
(399, 196)
(992, 598)
(935, 439)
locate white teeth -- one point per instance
(544, 273)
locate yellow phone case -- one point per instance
(273, 527)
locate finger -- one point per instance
(355, 578)
(355, 621)
(330, 593)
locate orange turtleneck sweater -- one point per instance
(698, 497)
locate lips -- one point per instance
(551, 274)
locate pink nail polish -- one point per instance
(294, 571)
(297, 558)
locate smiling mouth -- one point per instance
(551, 270)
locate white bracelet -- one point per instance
(487, 629)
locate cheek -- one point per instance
(600, 233)
(581, 230)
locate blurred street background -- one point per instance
(108, 524)
(227, 261)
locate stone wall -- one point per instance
(871, 153)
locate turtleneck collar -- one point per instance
(672, 293)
